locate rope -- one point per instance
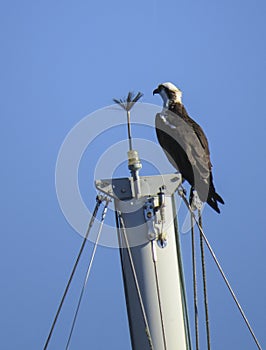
(207, 322)
(88, 271)
(194, 283)
(221, 270)
(98, 202)
(147, 328)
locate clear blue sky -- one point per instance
(62, 60)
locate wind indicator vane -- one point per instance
(134, 163)
(127, 105)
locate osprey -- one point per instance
(185, 145)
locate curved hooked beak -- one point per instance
(156, 91)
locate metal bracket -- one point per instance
(162, 238)
(150, 217)
(154, 216)
(123, 188)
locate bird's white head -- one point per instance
(169, 93)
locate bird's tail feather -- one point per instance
(218, 198)
(213, 198)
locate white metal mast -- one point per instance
(151, 261)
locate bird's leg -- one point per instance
(191, 195)
(194, 199)
(182, 189)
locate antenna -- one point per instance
(127, 104)
(134, 163)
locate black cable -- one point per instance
(204, 278)
(194, 283)
(122, 227)
(99, 200)
(159, 303)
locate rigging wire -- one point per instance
(147, 328)
(99, 200)
(181, 193)
(196, 320)
(204, 278)
(153, 247)
(88, 271)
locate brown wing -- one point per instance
(199, 132)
